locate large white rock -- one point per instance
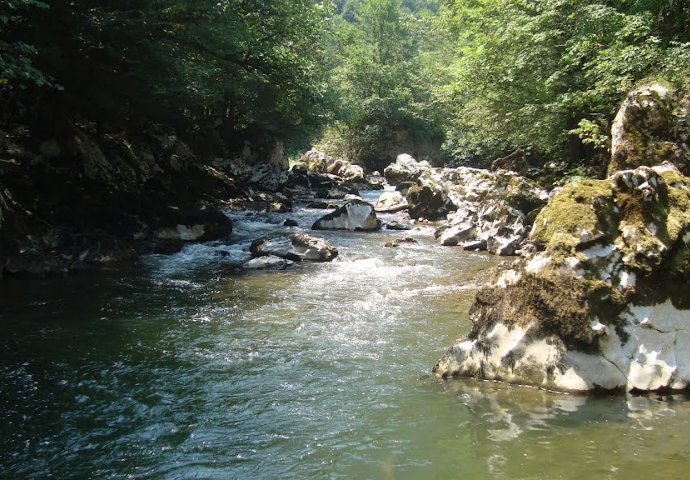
(295, 247)
(354, 215)
(605, 305)
(405, 169)
(655, 356)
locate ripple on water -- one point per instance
(188, 369)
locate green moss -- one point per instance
(579, 214)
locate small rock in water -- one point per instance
(279, 207)
(396, 225)
(295, 247)
(290, 223)
(270, 261)
(399, 241)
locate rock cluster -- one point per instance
(604, 304)
(484, 210)
(94, 196)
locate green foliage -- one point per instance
(384, 104)
(534, 74)
(16, 57)
(220, 69)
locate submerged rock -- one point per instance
(267, 262)
(605, 305)
(296, 247)
(354, 215)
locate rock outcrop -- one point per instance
(483, 210)
(651, 127)
(93, 196)
(605, 304)
(320, 162)
(295, 247)
(405, 169)
(354, 215)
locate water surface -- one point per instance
(186, 367)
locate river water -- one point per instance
(184, 367)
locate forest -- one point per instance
(456, 82)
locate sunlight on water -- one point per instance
(188, 367)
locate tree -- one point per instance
(216, 68)
(16, 56)
(384, 106)
(549, 75)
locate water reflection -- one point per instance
(521, 430)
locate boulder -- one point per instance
(398, 225)
(354, 215)
(603, 303)
(405, 169)
(193, 225)
(428, 198)
(457, 233)
(391, 202)
(651, 127)
(295, 247)
(267, 262)
(269, 177)
(320, 162)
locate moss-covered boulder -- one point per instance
(603, 304)
(651, 127)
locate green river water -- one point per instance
(184, 367)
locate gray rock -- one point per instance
(391, 202)
(397, 225)
(650, 128)
(354, 215)
(405, 169)
(457, 233)
(296, 247)
(267, 262)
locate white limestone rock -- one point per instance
(405, 169)
(354, 215)
(607, 311)
(267, 262)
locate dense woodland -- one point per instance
(453, 81)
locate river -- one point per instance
(184, 367)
